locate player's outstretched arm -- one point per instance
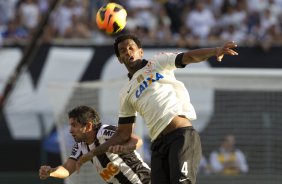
(134, 143)
(46, 171)
(198, 55)
(62, 171)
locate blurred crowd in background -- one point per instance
(166, 22)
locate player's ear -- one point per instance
(89, 126)
(141, 52)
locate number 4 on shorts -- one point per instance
(184, 168)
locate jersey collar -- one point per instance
(144, 62)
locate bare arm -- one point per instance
(62, 171)
(198, 55)
(121, 136)
(134, 143)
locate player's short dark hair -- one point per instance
(123, 37)
(83, 114)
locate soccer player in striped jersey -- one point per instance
(120, 165)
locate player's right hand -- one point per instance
(44, 172)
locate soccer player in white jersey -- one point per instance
(120, 165)
(164, 103)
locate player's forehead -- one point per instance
(73, 121)
(125, 43)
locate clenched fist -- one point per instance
(44, 172)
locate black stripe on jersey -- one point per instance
(126, 120)
(89, 151)
(104, 160)
(137, 166)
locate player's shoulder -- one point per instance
(164, 57)
(106, 131)
(124, 89)
(165, 54)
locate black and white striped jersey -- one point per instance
(126, 168)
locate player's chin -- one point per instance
(134, 64)
(77, 139)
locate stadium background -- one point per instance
(27, 123)
(24, 148)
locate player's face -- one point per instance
(129, 54)
(77, 130)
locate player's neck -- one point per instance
(141, 64)
(90, 137)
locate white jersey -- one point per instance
(126, 168)
(156, 95)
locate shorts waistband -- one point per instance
(168, 133)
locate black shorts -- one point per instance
(176, 157)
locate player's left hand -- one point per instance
(84, 158)
(227, 48)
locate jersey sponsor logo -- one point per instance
(140, 78)
(147, 82)
(108, 132)
(109, 172)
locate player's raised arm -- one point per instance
(198, 55)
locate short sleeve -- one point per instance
(76, 152)
(126, 109)
(167, 60)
